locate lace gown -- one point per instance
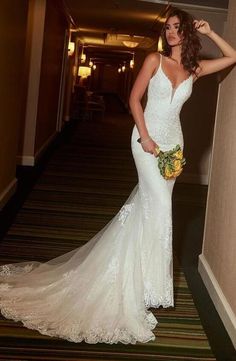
(101, 292)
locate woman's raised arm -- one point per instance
(214, 65)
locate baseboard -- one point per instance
(28, 160)
(45, 145)
(193, 178)
(8, 193)
(221, 304)
(25, 160)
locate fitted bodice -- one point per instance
(164, 103)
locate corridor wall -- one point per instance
(13, 20)
(45, 46)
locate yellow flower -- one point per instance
(178, 154)
(168, 173)
(177, 164)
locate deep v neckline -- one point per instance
(173, 89)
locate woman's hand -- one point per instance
(202, 26)
(149, 146)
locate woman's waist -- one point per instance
(166, 138)
(163, 126)
(161, 116)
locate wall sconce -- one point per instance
(131, 63)
(94, 66)
(71, 48)
(123, 68)
(119, 70)
(160, 45)
(83, 56)
(90, 63)
(84, 71)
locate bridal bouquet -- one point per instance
(171, 162)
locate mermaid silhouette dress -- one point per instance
(102, 291)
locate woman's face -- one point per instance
(171, 30)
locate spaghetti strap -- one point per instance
(158, 68)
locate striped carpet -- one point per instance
(84, 183)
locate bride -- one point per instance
(102, 291)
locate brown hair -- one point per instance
(191, 44)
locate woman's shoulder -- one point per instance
(152, 61)
(153, 57)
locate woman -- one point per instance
(101, 292)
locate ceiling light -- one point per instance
(130, 44)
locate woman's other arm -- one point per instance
(214, 65)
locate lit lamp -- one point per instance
(71, 48)
(84, 71)
(94, 66)
(130, 44)
(83, 56)
(131, 63)
(160, 45)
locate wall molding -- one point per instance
(45, 145)
(26, 160)
(37, 11)
(31, 160)
(221, 304)
(8, 193)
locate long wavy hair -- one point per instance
(191, 44)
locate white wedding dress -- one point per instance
(101, 292)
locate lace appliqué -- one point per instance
(113, 269)
(68, 275)
(4, 287)
(145, 202)
(152, 297)
(99, 332)
(124, 212)
(11, 270)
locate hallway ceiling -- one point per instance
(109, 22)
(105, 24)
(124, 16)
